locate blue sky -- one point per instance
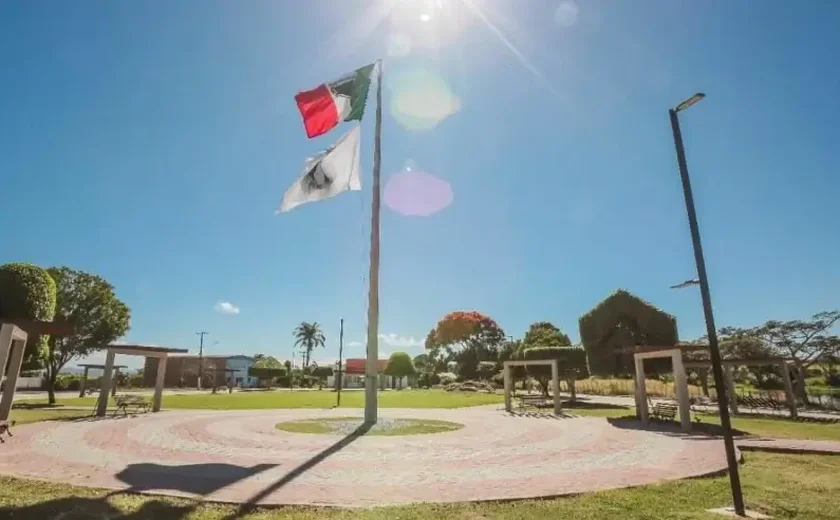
(150, 142)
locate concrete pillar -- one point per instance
(5, 345)
(789, 395)
(161, 373)
(555, 386)
(681, 382)
(105, 390)
(801, 392)
(17, 348)
(83, 383)
(730, 388)
(114, 385)
(508, 386)
(641, 391)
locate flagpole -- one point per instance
(340, 355)
(371, 368)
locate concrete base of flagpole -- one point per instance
(371, 388)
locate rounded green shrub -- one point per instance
(27, 291)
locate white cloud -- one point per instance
(355, 344)
(226, 307)
(395, 340)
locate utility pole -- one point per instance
(338, 380)
(702, 279)
(201, 356)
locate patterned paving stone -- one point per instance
(239, 456)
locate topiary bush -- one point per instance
(487, 369)
(27, 291)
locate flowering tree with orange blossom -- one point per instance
(465, 337)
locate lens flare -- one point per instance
(415, 193)
(421, 99)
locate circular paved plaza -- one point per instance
(239, 456)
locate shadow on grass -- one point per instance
(670, 428)
(583, 404)
(37, 406)
(252, 503)
(77, 507)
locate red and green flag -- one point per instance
(328, 104)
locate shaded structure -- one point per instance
(679, 366)
(14, 333)
(621, 321)
(680, 381)
(227, 377)
(87, 367)
(149, 351)
(555, 379)
(785, 365)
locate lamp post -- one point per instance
(702, 279)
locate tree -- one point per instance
(88, 304)
(27, 291)
(545, 334)
(487, 369)
(264, 361)
(806, 341)
(571, 365)
(421, 362)
(400, 365)
(308, 336)
(466, 337)
(266, 374)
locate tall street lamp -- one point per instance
(714, 351)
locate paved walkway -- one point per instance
(239, 456)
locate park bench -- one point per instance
(126, 401)
(755, 403)
(5, 427)
(536, 401)
(664, 411)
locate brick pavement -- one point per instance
(239, 456)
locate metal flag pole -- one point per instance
(339, 381)
(371, 368)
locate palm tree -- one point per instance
(308, 336)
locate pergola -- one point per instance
(161, 353)
(88, 366)
(226, 371)
(681, 382)
(729, 364)
(555, 379)
(13, 335)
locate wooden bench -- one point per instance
(536, 401)
(138, 402)
(666, 411)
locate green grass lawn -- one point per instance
(316, 399)
(31, 415)
(784, 486)
(406, 426)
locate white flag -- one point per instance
(330, 172)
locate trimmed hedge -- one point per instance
(27, 291)
(570, 358)
(623, 320)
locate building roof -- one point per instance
(357, 365)
(205, 356)
(139, 349)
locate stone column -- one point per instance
(508, 386)
(641, 391)
(789, 395)
(161, 373)
(17, 348)
(83, 383)
(681, 382)
(730, 388)
(105, 390)
(5, 345)
(555, 386)
(116, 378)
